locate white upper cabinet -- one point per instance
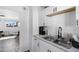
(60, 8)
(50, 10)
(77, 15)
(54, 9)
(68, 14)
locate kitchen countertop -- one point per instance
(72, 49)
(7, 37)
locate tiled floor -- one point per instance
(10, 45)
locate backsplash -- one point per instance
(63, 20)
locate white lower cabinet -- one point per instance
(45, 47)
(42, 46)
(35, 45)
(55, 49)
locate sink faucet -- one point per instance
(60, 32)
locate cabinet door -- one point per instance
(36, 45)
(48, 10)
(51, 9)
(43, 46)
(55, 49)
(51, 48)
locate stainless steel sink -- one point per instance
(59, 41)
(49, 38)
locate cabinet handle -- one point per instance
(77, 22)
(49, 50)
(38, 44)
(35, 39)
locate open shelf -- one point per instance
(61, 12)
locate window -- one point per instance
(9, 23)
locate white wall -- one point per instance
(67, 21)
(24, 27)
